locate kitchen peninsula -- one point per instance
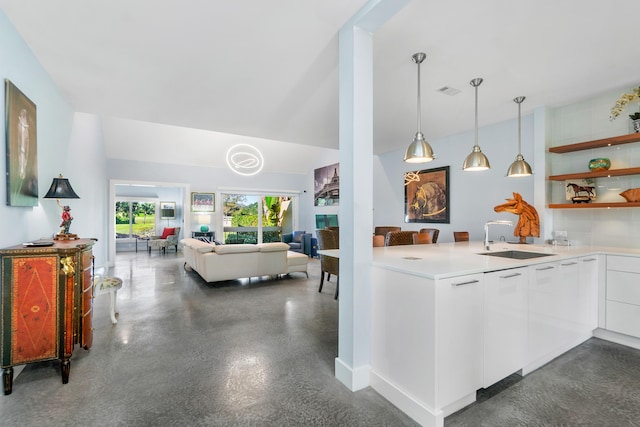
(447, 319)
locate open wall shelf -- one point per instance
(594, 205)
(588, 145)
(596, 174)
(598, 143)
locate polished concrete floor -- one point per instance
(188, 353)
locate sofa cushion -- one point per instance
(297, 236)
(167, 232)
(236, 249)
(207, 247)
(273, 247)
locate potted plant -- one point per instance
(622, 103)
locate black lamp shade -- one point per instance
(61, 189)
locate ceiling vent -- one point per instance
(447, 90)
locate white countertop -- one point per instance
(443, 260)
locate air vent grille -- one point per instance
(448, 90)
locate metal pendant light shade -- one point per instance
(519, 167)
(476, 161)
(419, 151)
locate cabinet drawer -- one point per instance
(623, 287)
(623, 318)
(623, 263)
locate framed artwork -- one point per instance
(22, 148)
(426, 196)
(326, 186)
(203, 202)
(167, 210)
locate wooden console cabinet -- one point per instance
(46, 304)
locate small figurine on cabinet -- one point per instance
(66, 219)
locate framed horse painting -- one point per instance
(426, 196)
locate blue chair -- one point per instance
(298, 241)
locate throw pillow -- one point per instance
(297, 236)
(167, 232)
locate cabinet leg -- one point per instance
(65, 369)
(7, 378)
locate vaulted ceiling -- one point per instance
(269, 69)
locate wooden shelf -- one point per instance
(594, 205)
(598, 143)
(596, 174)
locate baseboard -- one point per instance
(353, 379)
(530, 367)
(420, 413)
(617, 338)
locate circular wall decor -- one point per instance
(245, 159)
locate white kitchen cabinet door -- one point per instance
(459, 341)
(505, 323)
(554, 309)
(590, 282)
(623, 295)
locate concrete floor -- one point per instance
(188, 353)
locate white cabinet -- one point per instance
(459, 342)
(591, 283)
(505, 323)
(623, 295)
(553, 308)
(562, 306)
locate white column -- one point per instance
(541, 187)
(356, 190)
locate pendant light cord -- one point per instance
(519, 127)
(419, 102)
(519, 100)
(476, 87)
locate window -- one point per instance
(135, 219)
(251, 218)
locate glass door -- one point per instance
(134, 220)
(253, 218)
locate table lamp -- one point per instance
(61, 189)
(204, 221)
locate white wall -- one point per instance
(473, 195)
(584, 121)
(68, 144)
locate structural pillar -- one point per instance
(356, 189)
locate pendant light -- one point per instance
(476, 161)
(419, 151)
(519, 167)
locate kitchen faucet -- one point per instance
(486, 229)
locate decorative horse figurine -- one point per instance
(528, 223)
(580, 189)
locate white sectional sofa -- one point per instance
(227, 262)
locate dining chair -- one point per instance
(327, 239)
(421, 239)
(460, 236)
(433, 232)
(396, 238)
(383, 230)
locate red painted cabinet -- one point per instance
(46, 304)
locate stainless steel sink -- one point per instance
(516, 254)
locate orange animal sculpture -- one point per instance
(528, 223)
